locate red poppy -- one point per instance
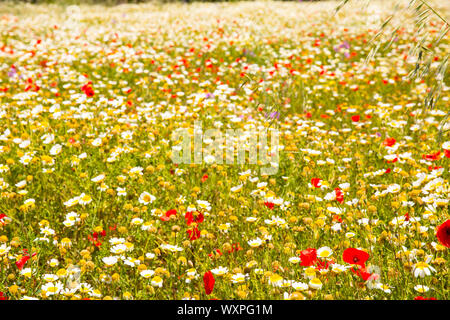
(194, 234)
(3, 296)
(3, 219)
(213, 253)
(392, 161)
(323, 265)
(204, 178)
(166, 216)
(443, 233)
(269, 205)
(87, 89)
(389, 142)
(423, 298)
(208, 282)
(95, 236)
(190, 218)
(171, 212)
(20, 264)
(447, 153)
(355, 256)
(361, 272)
(339, 195)
(432, 157)
(355, 118)
(235, 247)
(308, 257)
(315, 182)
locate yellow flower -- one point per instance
(315, 283)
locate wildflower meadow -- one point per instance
(242, 150)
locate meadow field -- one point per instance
(96, 204)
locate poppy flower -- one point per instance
(21, 263)
(389, 142)
(355, 256)
(190, 218)
(166, 216)
(361, 272)
(269, 205)
(3, 296)
(443, 233)
(323, 265)
(235, 247)
(87, 89)
(3, 219)
(171, 212)
(356, 118)
(432, 157)
(95, 236)
(423, 298)
(194, 234)
(208, 282)
(447, 153)
(339, 195)
(316, 182)
(217, 251)
(392, 161)
(308, 257)
(204, 178)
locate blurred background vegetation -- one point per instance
(114, 2)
